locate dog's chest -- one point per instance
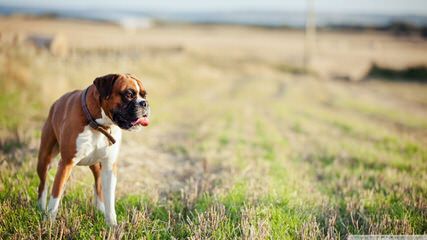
(92, 146)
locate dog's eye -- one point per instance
(143, 94)
(130, 94)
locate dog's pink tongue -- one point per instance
(142, 121)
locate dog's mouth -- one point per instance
(142, 121)
(127, 123)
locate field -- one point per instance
(244, 142)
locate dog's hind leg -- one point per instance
(98, 196)
(48, 150)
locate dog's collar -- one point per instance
(92, 121)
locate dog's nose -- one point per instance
(143, 103)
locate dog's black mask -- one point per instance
(129, 112)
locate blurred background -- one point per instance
(270, 119)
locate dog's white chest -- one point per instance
(92, 146)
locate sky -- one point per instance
(418, 7)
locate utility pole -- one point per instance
(310, 34)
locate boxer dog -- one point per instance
(84, 127)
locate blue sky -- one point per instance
(343, 6)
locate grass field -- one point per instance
(243, 143)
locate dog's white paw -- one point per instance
(41, 205)
(111, 220)
(49, 215)
(100, 205)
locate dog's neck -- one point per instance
(95, 109)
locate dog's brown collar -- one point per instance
(92, 121)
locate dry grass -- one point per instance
(244, 144)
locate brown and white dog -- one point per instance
(82, 127)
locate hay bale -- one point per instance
(59, 46)
(56, 45)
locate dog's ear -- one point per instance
(105, 84)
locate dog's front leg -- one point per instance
(109, 179)
(61, 177)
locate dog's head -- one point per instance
(124, 100)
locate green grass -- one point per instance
(138, 216)
(322, 159)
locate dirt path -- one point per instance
(144, 167)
